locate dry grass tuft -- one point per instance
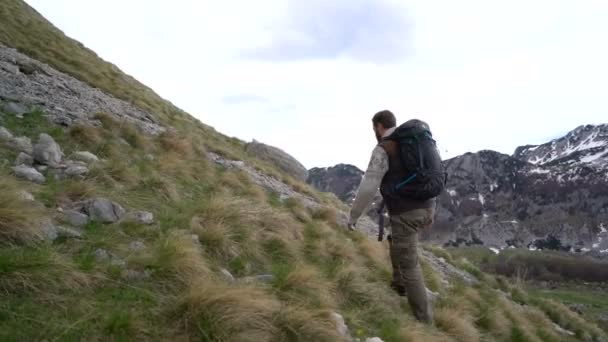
(457, 324)
(20, 220)
(301, 324)
(567, 319)
(298, 210)
(417, 332)
(181, 256)
(39, 270)
(327, 214)
(135, 137)
(221, 313)
(172, 142)
(542, 324)
(377, 252)
(85, 134)
(521, 328)
(108, 121)
(303, 283)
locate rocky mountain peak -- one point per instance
(586, 145)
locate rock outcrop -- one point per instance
(279, 158)
(27, 84)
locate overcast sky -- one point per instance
(307, 75)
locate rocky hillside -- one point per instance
(123, 218)
(342, 180)
(551, 195)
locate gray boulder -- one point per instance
(139, 217)
(101, 255)
(279, 158)
(341, 326)
(22, 144)
(15, 108)
(47, 151)
(24, 159)
(136, 245)
(104, 210)
(75, 218)
(48, 231)
(5, 134)
(76, 170)
(28, 173)
(261, 278)
(227, 275)
(26, 196)
(135, 275)
(68, 233)
(85, 156)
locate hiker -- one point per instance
(406, 167)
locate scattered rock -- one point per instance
(26, 196)
(28, 173)
(5, 134)
(48, 231)
(134, 275)
(341, 326)
(115, 261)
(75, 218)
(15, 108)
(76, 170)
(47, 151)
(22, 144)
(374, 339)
(104, 210)
(278, 157)
(262, 278)
(65, 99)
(101, 255)
(227, 275)
(578, 308)
(148, 157)
(25, 159)
(136, 245)
(85, 156)
(68, 233)
(140, 217)
(561, 330)
(41, 168)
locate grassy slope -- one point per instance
(60, 291)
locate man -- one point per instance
(407, 216)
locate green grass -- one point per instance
(594, 301)
(207, 218)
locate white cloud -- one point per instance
(485, 75)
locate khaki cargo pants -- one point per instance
(407, 275)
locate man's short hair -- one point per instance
(386, 118)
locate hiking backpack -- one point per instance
(425, 176)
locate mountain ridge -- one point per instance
(109, 231)
(521, 199)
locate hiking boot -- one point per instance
(400, 289)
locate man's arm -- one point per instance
(378, 166)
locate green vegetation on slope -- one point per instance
(207, 219)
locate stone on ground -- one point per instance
(25, 159)
(28, 173)
(47, 151)
(103, 210)
(85, 156)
